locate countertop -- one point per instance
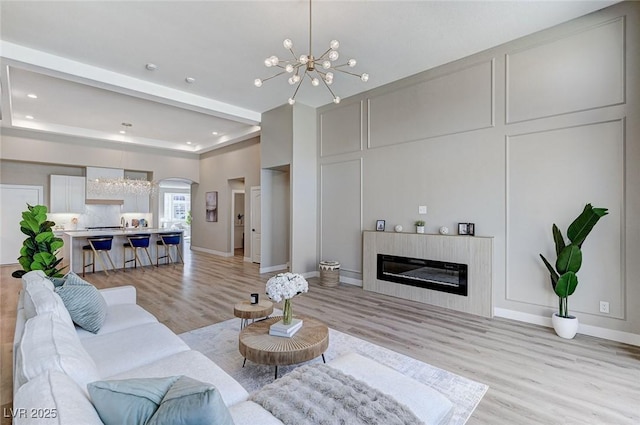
(116, 232)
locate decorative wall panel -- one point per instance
(579, 72)
(453, 103)
(341, 213)
(341, 130)
(551, 175)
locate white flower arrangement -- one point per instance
(285, 286)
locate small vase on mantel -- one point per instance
(287, 312)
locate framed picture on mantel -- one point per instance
(211, 201)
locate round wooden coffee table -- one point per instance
(245, 310)
(309, 342)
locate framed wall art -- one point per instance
(211, 202)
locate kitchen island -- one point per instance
(75, 240)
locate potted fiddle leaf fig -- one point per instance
(41, 246)
(564, 278)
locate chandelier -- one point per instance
(120, 186)
(317, 70)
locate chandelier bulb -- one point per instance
(291, 80)
(304, 59)
(291, 101)
(334, 44)
(351, 62)
(257, 82)
(288, 44)
(274, 60)
(289, 68)
(334, 55)
(326, 64)
(267, 63)
(315, 82)
(296, 78)
(364, 77)
(336, 99)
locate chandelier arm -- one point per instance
(310, 53)
(322, 56)
(293, 54)
(299, 84)
(329, 88)
(347, 72)
(273, 76)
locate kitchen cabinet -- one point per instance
(135, 203)
(66, 194)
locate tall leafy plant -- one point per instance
(41, 246)
(564, 278)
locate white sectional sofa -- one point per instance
(54, 360)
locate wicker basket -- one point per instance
(329, 273)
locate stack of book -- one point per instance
(280, 329)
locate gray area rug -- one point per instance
(219, 342)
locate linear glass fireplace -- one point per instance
(430, 274)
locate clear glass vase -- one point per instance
(287, 312)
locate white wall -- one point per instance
(513, 139)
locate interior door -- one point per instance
(14, 200)
(255, 224)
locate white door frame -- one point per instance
(256, 251)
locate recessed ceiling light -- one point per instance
(190, 80)
(151, 66)
(188, 143)
(215, 133)
(123, 132)
(32, 96)
(29, 117)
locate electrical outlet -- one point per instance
(604, 307)
(422, 209)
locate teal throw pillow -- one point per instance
(191, 402)
(86, 306)
(129, 401)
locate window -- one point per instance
(176, 206)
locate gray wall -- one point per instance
(220, 171)
(513, 139)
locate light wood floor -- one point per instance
(534, 376)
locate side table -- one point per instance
(245, 311)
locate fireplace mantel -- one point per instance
(475, 251)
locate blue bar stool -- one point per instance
(168, 240)
(136, 242)
(97, 245)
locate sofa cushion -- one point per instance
(39, 298)
(129, 401)
(173, 400)
(84, 302)
(119, 317)
(195, 365)
(249, 412)
(49, 344)
(53, 398)
(426, 403)
(126, 349)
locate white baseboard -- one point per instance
(273, 268)
(212, 251)
(610, 334)
(351, 281)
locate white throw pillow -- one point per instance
(39, 298)
(50, 344)
(52, 398)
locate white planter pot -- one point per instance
(419, 229)
(565, 327)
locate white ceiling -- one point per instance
(85, 60)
